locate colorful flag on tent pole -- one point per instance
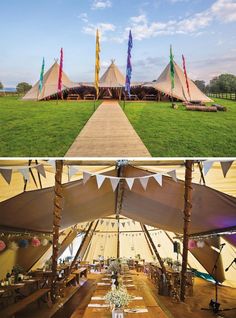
(186, 76)
(172, 69)
(97, 64)
(129, 65)
(60, 73)
(41, 77)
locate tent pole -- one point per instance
(187, 215)
(148, 243)
(156, 252)
(82, 253)
(80, 247)
(57, 211)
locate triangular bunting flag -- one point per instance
(6, 173)
(144, 182)
(25, 173)
(114, 183)
(172, 174)
(52, 163)
(100, 179)
(123, 223)
(86, 176)
(158, 178)
(101, 222)
(130, 182)
(41, 170)
(207, 166)
(128, 223)
(107, 223)
(112, 224)
(72, 171)
(225, 166)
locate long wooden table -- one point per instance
(145, 301)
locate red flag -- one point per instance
(186, 76)
(60, 73)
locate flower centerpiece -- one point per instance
(118, 299)
(16, 271)
(114, 267)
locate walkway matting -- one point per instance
(108, 133)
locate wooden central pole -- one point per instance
(57, 211)
(187, 216)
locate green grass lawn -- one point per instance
(179, 133)
(29, 128)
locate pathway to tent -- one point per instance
(108, 133)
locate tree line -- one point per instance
(224, 83)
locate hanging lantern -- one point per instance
(200, 244)
(35, 242)
(44, 242)
(2, 246)
(13, 246)
(23, 243)
(191, 244)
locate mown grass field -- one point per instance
(40, 128)
(179, 133)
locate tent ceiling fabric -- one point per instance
(163, 84)
(157, 206)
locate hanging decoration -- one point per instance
(23, 243)
(35, 242)
(2, 246)
(191, 244)
(200, 244)
(44, 242)
(13, 246)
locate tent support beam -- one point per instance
(57, 212)
(155, 251)
(119, 202)
(80, 247)
(148, 243)
(187, 216)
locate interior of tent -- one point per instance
(111, 210)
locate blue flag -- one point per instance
(41, 77)
(129, 66)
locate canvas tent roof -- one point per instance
(160, 207)
(112, 77)
(50, 84)
(163, 84)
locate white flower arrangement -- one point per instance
(114, 267)
(118, 298)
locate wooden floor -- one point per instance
(108, 133)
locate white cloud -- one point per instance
(83, 17)
(101, 4)
(102, 27)
(225, 10)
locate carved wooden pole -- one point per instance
(57, 211)
(155, 251)
(187, 216)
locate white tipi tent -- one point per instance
(50, 84)
(163, 84)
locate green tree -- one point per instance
(201, 85)
(1, 85)
(225, 83)
(23, 88)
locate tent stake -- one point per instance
(187, 215)
(57, 211)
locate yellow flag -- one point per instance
(97, 64)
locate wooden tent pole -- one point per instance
(155, 251)
(187, 215)
(80, 247)
(88, 243)
(57, 211)
(148, 243)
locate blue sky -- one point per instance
(203, 30)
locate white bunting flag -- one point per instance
(101, 222)
(72, 171)
(25, 173)
(172, 174)
(144, 182)
(7, 174)
(41, 170)
(107, 223)
(114, 183)
(158, 178)
(225, 166)
(86, 176)
(52, 163)
(100, 179)
(128, 223)
(130, 182)
(207, 166)
(123, 223)
(112, 224)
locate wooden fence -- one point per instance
(229, 96)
